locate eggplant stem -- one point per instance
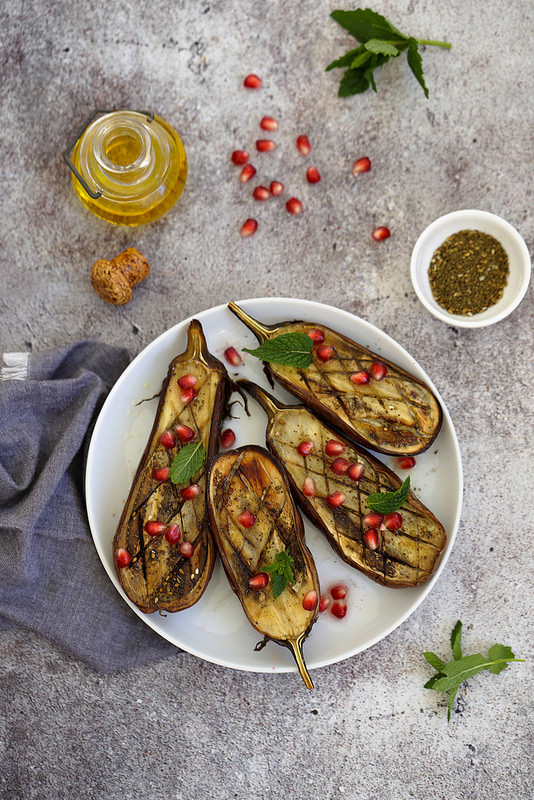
(262, 332)
(266, 401)
(296, 647)
(196, 341)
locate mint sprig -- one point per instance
(291, 349)
(388, 502)
(380, 41)
(281, 572)
(187, 463)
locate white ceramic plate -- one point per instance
(216, 628)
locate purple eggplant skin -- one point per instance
(159, 578)
(397, 415)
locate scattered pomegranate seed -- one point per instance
(303, 145)
(334, 448)
(339, 591)
(276, 188)
(187, 381)
(393, 521)
(325, 352)
(261, 193)
(247, 173)
(227, 438)
(378, 370)
(339, 609)
(373, 520)
(360, 378)
(379, 234)
(258, 581)
(249, 227)
(240, 157)
(123, 558)
(313, 175)
(154, 528)
(188, 396)
(340, 466)
(185, 433)
(186, 549)
(406, 462)
(308, 487)
(316, 335)
(252, 82)
(168, 439)
(309, 601)
(361, 165)
(370, 538)
(305, 448)
(269, 124)
(336, 499)
(355, 471)
(294, 206)
(265, 145)
(246, 519)
(233, 357)
(191, 491)
(161, 473)
(173, 534)
(324, 603)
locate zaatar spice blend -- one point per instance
(468, 272)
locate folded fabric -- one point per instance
(52, 580)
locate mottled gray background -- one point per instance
(189, 729)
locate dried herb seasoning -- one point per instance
(468, 272)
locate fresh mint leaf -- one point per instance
(388, 502)
(365, 24)
(347, 59)
(456, 641)
(434, 661)
(281, 572)
(498, 654)
(415, 62)
(290, 349)
(450, 706)
(353, 82)
(382, 47)
(361, 58)
(188, 462)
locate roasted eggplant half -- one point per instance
(370, 399)
(258, 528)
(161, 567)
(332, 478)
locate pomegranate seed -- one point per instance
(258, 581)
(336, 499)
(339, 592)
(309, 601)
(233, 357)
(294, 206)
(227, 438)
(173, 534)
(303, 145)
(249, 227)
(378, 370)
(188, 395)
(312, 175)
(240, 157)
(123, 558)
(246, 519)
(185, 433)
(339, 609)
(393, 521)
(373, 520)
(276, 188)
(168, 439)
(186, 549)
(308, 487)
(269, 124)
(191, 491)
(252, 82)
(264, 145)
(161, 473)
(379, 234)
(340, 466)
(261, 193)
(370, 538)
(360, 378)
(305, 448)
(247, 173)
(325, 352)
(406, 462)
(355, 471)
(334, 448)
(154, 528)
(361, 165)
(187, 381)
(324, 603)
(316, 335)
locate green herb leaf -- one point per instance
(347, 59)
(365, 24)
(352, 82)
(281, 572)
(291, 349)
(188, 462)
(456, 641)
(452, 698)
(434, 661)
(380, 46)
(415, 62)
(388, 502)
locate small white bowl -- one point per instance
(469, 219)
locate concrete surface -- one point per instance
(188, 729)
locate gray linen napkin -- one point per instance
(51, 578)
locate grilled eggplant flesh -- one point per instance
(396, 415)
(159, 577)
(405, 557)
(250, 480)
